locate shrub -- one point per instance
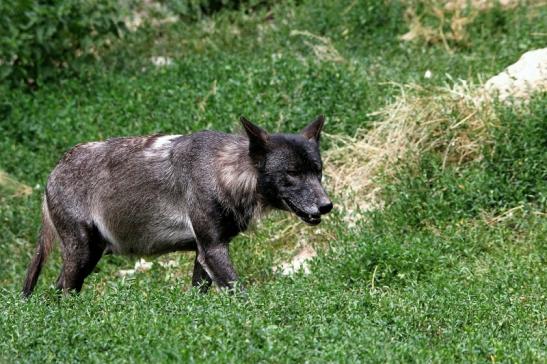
(195, 9)
(39, 38)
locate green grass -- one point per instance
(451, 269)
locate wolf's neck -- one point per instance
(237, 175)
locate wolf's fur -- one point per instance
(237, 178)
(157, 194)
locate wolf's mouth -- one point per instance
(307, 218)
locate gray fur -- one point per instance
(158, 194)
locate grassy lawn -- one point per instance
(451, 267)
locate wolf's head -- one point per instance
(290, 170)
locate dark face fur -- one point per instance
(290, 170)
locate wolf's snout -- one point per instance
(325, 207)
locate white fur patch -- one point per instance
(105, 232)
(161, 147)
(163, 141)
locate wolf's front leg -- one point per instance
(213, 232)
(214, 258)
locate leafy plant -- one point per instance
(39, 38)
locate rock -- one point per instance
(521, 79)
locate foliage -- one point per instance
(37, 38)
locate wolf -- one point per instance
(146, 196)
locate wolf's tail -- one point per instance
(46, 239)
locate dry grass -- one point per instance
(450, 121)
(11, 187)
(322, 47)
(448, 19)
(451, 27)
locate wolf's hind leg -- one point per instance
(200, 278)
(81, 251)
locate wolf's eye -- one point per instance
(292, 174)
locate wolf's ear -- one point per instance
(258, 137)
(313, 130)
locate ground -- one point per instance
(447, 265)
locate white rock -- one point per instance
(522, 78)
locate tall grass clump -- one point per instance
(509, 173)
(489, 156)
(449, 121)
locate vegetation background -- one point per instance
(436, 250)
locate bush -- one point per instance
(39, 38)
(195, 9)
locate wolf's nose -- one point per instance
(325, 208)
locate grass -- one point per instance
(451, 268)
